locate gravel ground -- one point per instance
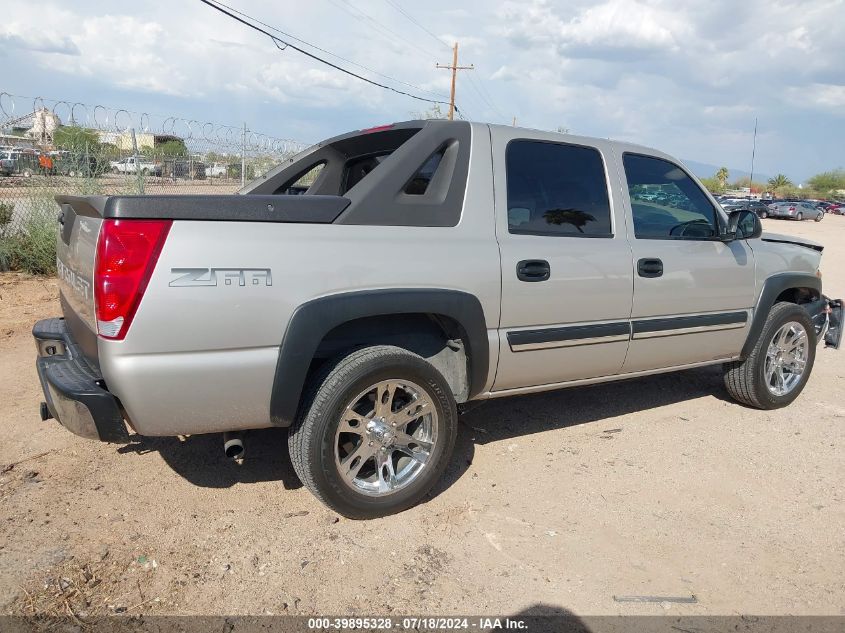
(655, 486)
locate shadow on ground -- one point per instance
(501, 419)
(200, 458)
(545, 618)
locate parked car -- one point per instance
(403, 285)
(132, 166)
(184, 168)
(756, 206)
(75, 164)
(17, 162)
(216, 170)
(800, 210)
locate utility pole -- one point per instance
(753, 153)
(243, 156)
(454, 68)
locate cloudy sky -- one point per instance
(688, 77)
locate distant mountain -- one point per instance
(705, 170)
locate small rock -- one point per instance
(226, 568)
(551, 533)
(300, 513)
(64, 583)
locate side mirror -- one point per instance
(744, 225)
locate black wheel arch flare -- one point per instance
(314, 319)
(773, 287)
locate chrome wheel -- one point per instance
(385, 437)
(786, 358)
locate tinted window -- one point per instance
(556, 189)
(666, 202)
(418, 185)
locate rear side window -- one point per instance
(665, 202)
(556, 189)
(418, 184)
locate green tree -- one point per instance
(434, 112)
(779, 181)
(722, 176)
(175, 147)
(714, 185)
(827, 182)
(75, 138)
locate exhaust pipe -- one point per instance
(233, 445)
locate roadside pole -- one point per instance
(137, 163)
(243, 156)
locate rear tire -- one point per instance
(374, 433)
(754, 381)
(799, 216)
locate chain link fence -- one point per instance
(50, 148)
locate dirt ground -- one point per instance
(657, 486)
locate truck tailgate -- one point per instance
(76, 250)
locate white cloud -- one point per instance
(17, 35)
(683, 75)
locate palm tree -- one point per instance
(779, 181)
(722, 175)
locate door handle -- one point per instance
(533, 270)
(650, 267)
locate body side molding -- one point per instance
(313, 320)
(569, 336)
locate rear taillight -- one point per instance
(127, 252)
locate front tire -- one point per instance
(375, 432)
(777, 369)
(764, 215)
(800, 216)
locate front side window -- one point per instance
(556, 189)
(665, 202)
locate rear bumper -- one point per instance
(74, 390)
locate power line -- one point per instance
(327, 52)
(374, 24)
(412, 19)
(476, 84)
(285, 44)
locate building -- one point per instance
(145, 140)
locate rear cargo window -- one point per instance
(556, 189)
(360, 168)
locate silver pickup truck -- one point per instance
(426, 265)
